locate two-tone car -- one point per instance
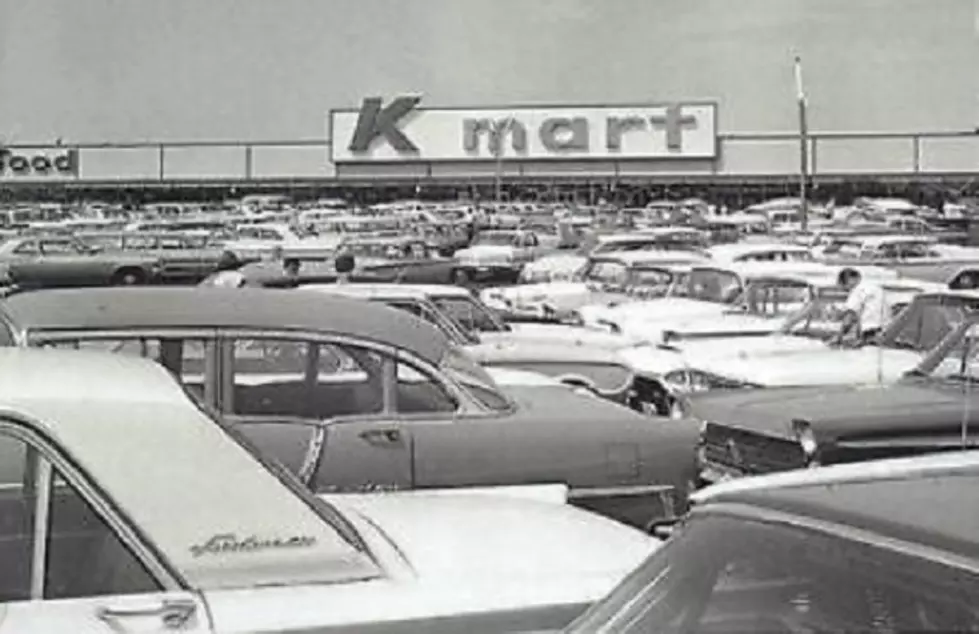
(47, 261)
(127, 506)
(354, 396)
(884, 546)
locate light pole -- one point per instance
(803, 145)
(499, 132)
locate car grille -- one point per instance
(748, 452)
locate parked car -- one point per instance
(129, 508)
(61, 261)
(499, 255)
(608, 279)
(902, 344)
(185, 257)
(889, 546)
(929, 409)
(353, 396)
(377, 258)
(578, 357)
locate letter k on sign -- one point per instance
(374, 122)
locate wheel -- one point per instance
(128, 277)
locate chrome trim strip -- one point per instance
(42, 516)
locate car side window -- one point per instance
(296, 378)
(85, 557)
(58, 247)
(17, 503)
(28, 247)
(420, 393)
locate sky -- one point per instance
(146, 70)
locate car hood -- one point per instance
(838, 412)
(464, 539)
(672, 310)
(825, 366)
(703, 353)
(556, 333)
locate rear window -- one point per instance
(723, 575)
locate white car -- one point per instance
(901, 346)
(709, 290)
(604, 279)
(499, 255)
(129, 508)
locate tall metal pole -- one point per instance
(803, 146)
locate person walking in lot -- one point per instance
(226, 273)
(866, 308)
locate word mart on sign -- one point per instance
(400, 131)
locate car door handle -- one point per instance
(382, 437)
(174, 613)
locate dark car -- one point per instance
(354, 396)
(184, 257)
(930, 409)
(63, 261)
(378, 259)
(890, 547)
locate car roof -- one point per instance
(925, 500)
(652, 256)
(394, 291)
(208, 307)
(741, 249)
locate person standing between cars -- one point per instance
(344, 265)
(866, 309)
(226, 273)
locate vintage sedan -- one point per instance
(185, 256)
(929, 409)
(377, 258)
(62, 261)
(353, 396)
(885, 546)
(608, 279)
(499, 255)
(899, 348)
(707, 291)
(577, 357)
(129, 507)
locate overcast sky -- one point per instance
(119, 70)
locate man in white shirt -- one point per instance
(226, 272)
(866, 309)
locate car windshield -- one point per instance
(725, 575)
(458, 364)
(775, 298)
(470, 314)
(927, 320)
(495, 238)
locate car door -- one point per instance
(66, 566)
(320, 409)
